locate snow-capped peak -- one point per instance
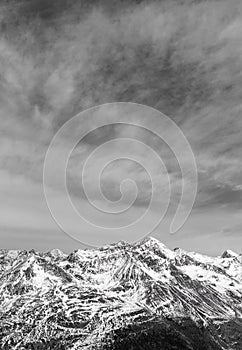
(229, 254)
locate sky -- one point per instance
(60, 58)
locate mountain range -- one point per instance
(122, 296)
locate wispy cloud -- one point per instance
(183, 59)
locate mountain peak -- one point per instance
(56, 253)
(151, 240)
(229, 254)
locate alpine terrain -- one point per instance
(120, 297)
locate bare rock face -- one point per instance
(121, 296)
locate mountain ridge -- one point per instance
(103, 298)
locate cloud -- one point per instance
(183, 59)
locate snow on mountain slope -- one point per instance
(80, 300)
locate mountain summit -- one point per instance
(121, 296)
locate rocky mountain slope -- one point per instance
(121, 296)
